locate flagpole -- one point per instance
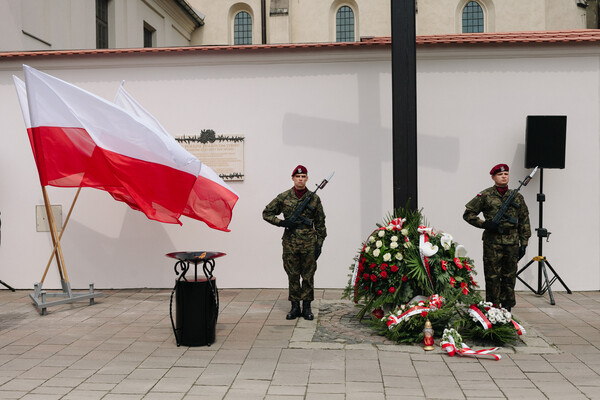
(54, 234)
(61, 234)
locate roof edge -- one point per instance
(497, 38)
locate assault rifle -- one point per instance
(501, 214)
(297, 219)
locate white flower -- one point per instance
(399, 256)
(446, 241)
(387, 257)
(404, 231)
(376, 252)
(428, 249)
(394, 245)
(378, 243)
(381, 234)
(367, 249)
(389, 228)
(460, 251)
(394, 238)
(407, 244)
(371, 239)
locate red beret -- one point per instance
(499, 168)
(300, 169)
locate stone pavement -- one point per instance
(123, 348)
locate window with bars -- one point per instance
(344, 25)
(472, 18)
(102, 24)
(242, 28)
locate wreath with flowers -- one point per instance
(406, 272)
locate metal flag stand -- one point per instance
(6, 284)
(39, 296)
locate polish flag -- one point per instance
(81, 140)
(211, 200)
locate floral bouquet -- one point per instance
(405, 264)
(404, 258)
(485, 321)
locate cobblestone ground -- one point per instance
(338, 324)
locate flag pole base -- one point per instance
(40, 297)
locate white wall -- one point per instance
(329, 110)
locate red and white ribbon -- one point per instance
(394, 320)
(518, 327)
(474, 311)
(465, 350)
(424, 238)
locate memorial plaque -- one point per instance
(223, 153)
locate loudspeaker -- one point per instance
(545, 141)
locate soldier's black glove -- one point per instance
(286, 223)
(522, 250)
(490, 226)
(318, 252)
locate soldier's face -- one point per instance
(300, 181)
(501, 179)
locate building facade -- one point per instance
(306, 21)
(41, 25)
(89, 24)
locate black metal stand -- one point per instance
(2, 282)
(7, 286)
(197, 300)
(540, 259)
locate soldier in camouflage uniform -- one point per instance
(504, 244)
(301, 243)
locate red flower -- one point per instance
(372, 265)
(452, 281)
(444, 265)
(394, 268)
(404, 278)
(392, 290)
(464, 288)
(383, 274)
(366, 277)
(423, 314)
(379, 292)
(473, 281)
(366, 287)
(384, 266)
(362, 260)
(377, 313)
(374, 278)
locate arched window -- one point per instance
(472, 18)
(242, 28)
(344, 24)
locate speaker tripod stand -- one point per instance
(542, 287)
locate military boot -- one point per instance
(306, 311)
(295, 311)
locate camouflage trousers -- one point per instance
(300, 266)
(500, 269)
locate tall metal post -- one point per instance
(404, 103)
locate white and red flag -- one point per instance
(81, 140)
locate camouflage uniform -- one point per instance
(500, 251)
(299, 247)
